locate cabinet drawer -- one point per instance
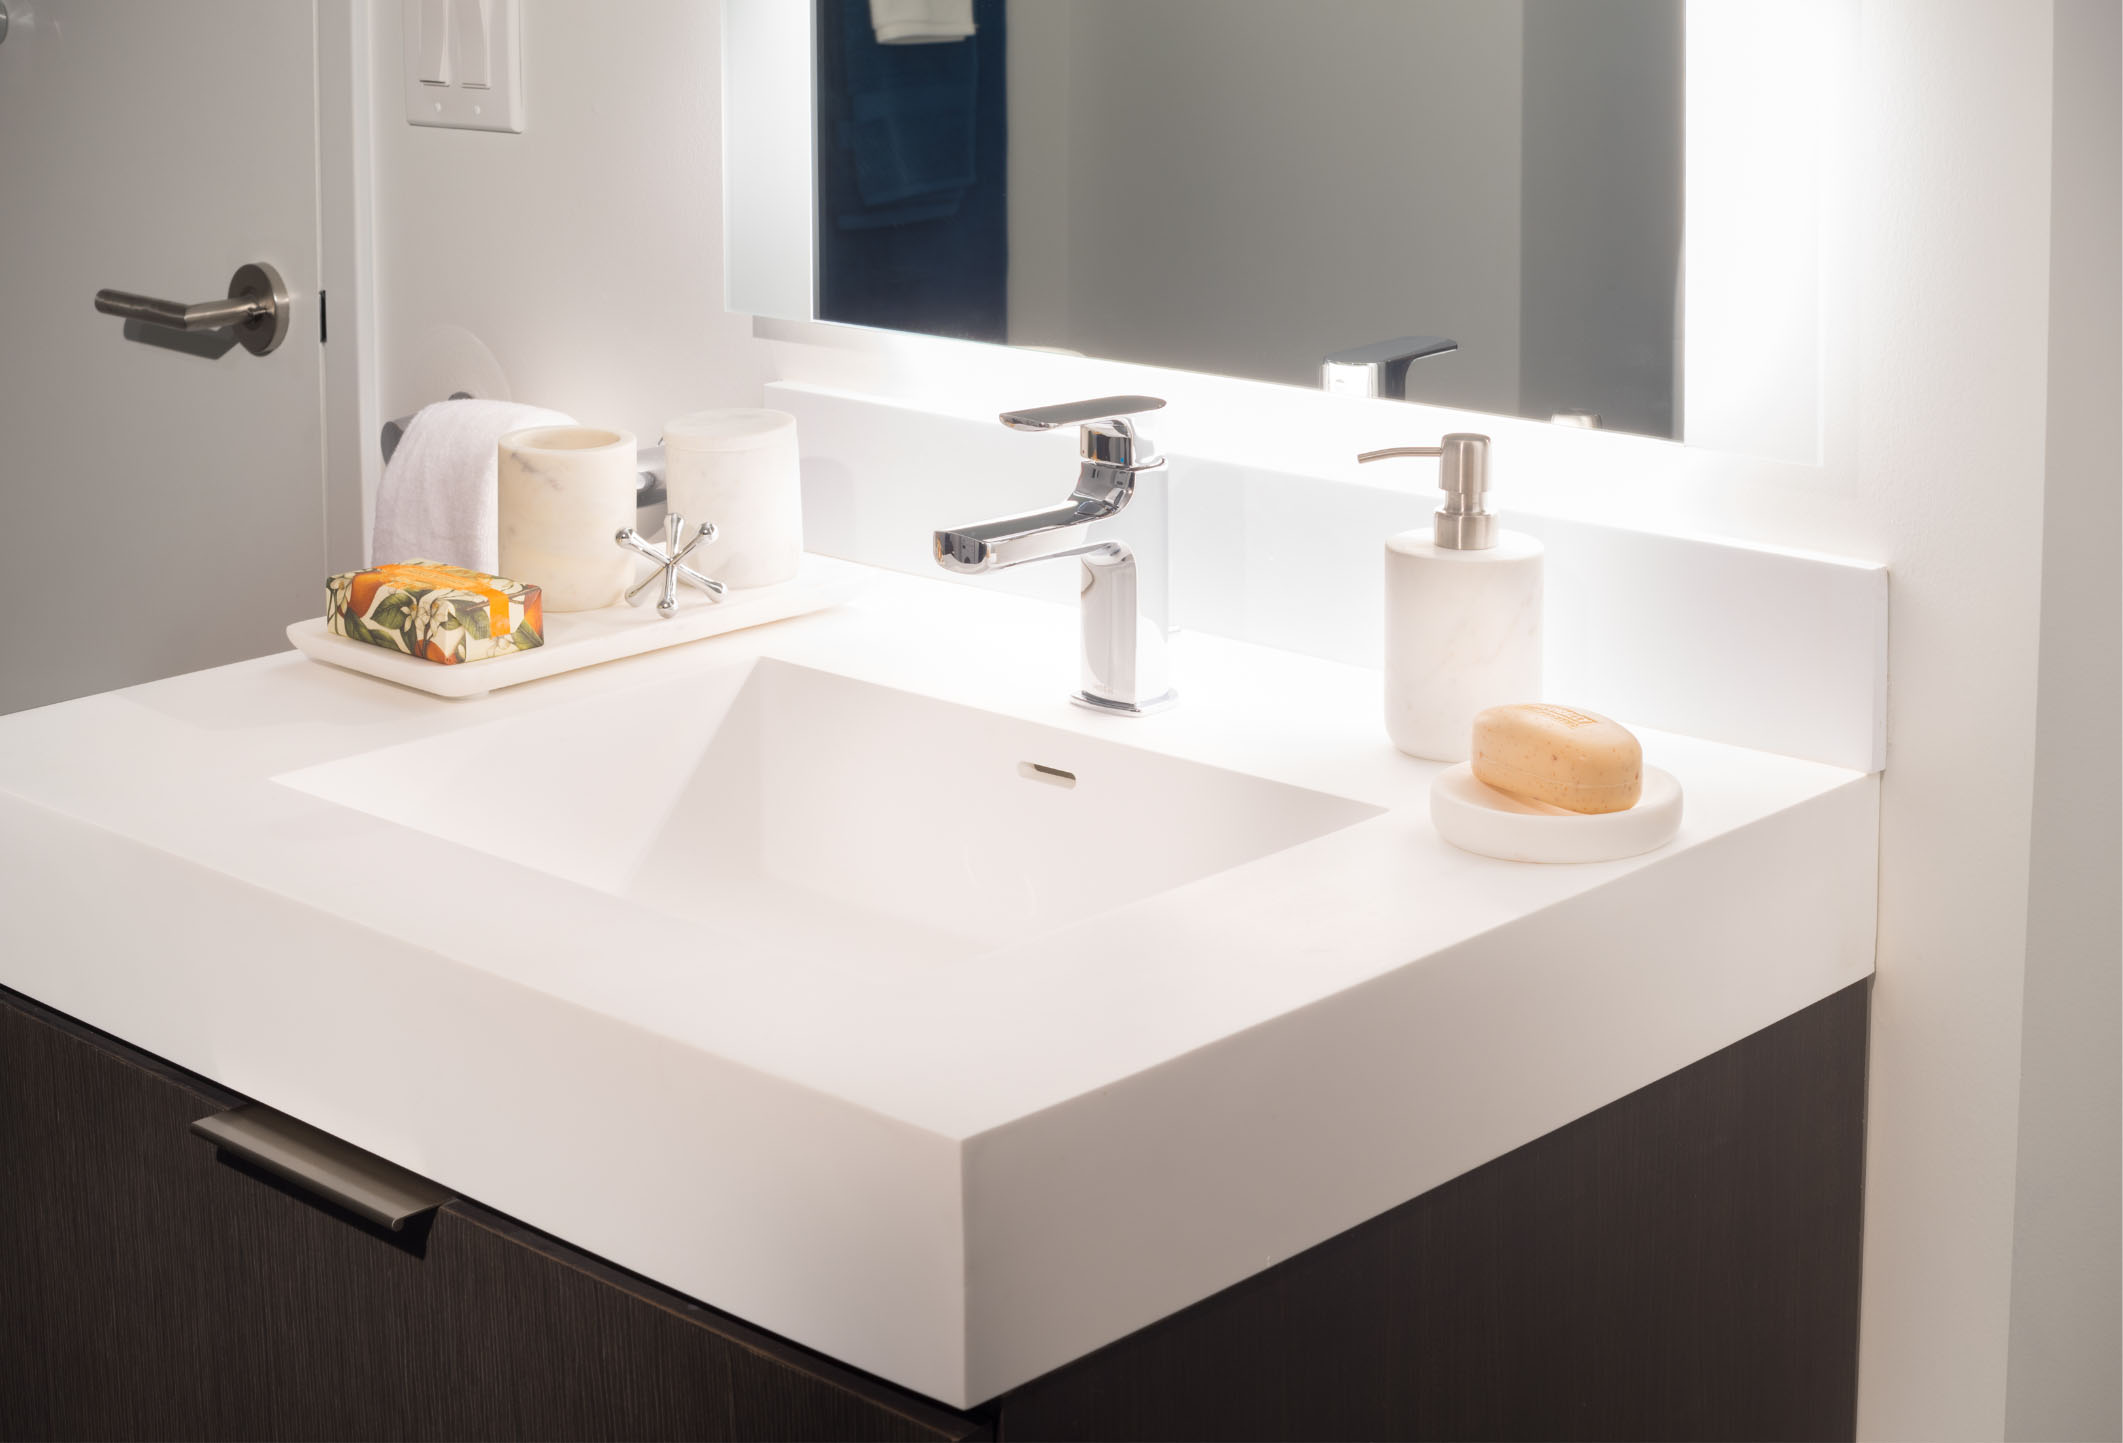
(149, 1288)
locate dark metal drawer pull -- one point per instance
(361, 1182)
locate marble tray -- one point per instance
(585, 638)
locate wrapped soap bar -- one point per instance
(427, 609)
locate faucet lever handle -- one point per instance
(1107, 435)
(1080, 413)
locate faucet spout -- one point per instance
(1011, 541)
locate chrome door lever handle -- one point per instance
(256, 309)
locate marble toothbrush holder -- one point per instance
(563, 493)
(738, 469)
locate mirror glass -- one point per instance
(1472, 204)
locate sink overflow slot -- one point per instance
(1052, 776)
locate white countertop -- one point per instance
(956, 1172)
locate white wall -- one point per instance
(1932, 461)
(584, 257)
(1957, 205)
(2067, 1277)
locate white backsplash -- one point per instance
(1777, 650)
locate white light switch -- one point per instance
(464, 64)
(468, 41)
(434, 64)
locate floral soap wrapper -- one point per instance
(428, 609)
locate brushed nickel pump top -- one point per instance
(1464, 522)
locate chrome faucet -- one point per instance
(1115, 520)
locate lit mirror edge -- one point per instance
(1768, 349)
(768, 160)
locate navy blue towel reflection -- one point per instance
(913, 192)
(910, 126)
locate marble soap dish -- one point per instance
(1476, 817)
(584, 638)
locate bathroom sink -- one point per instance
(843, 975)
(788, 808)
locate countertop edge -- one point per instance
(1087, 1221)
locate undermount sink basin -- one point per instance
(789, 808)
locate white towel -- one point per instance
(921, 22)
(436, 501)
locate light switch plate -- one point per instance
(437, 33)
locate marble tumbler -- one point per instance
(565, 492)
(738, 469)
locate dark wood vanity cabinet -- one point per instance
(149, 1289)
(1680, 1264)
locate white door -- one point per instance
(160, 510)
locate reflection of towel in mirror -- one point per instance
(909, 131)
(911, 183)
(437, 498)
(921, 22)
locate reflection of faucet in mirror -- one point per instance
(1123, 592)
(1381, 368)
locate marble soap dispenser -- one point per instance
(1463, 610)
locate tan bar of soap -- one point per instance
(1558, 755)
